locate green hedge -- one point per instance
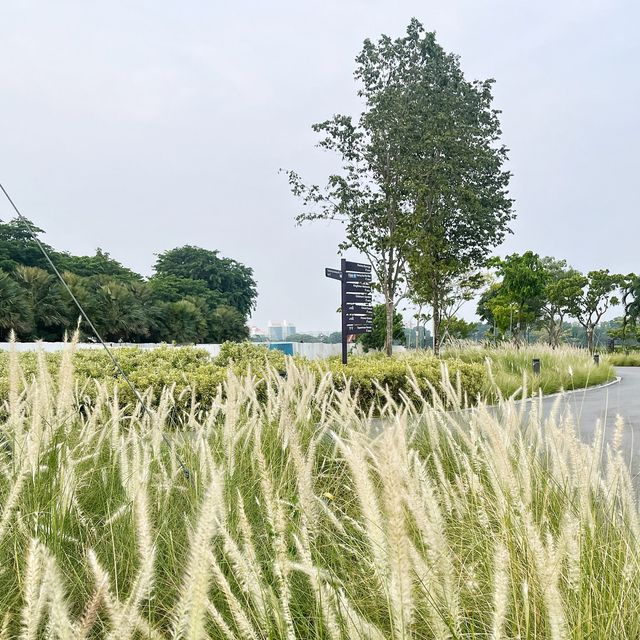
(393, 374)
(189, 369)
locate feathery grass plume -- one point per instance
(436, 575)
(15, 415)
(547, 571)
(246, 573)
(191, 609)
(356, 456)
(260, 590)
(569, 543)
(4, 629)
(358, 627)
(126, 620)
(240, 617)
(220, 623)
(66, 384)
(231, 418)
(11, 500)
(277, 522)
(114, 608)
(500, 590)
(90, 613)
(392, 465)
(34, 595)
(325, 596)
(60, 616)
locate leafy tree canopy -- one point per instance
(232, 280)
(422, 184)
(194, 297)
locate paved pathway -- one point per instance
(606, 404)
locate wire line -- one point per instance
(114, 360)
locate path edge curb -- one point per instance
(570, 392)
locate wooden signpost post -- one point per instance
(357, 311)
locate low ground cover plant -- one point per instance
(297, 522)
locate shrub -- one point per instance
(370, 375)
(243, 355)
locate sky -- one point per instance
(138, 126)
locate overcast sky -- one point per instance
(139, 126)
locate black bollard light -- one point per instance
(596, 359)
(536, 366)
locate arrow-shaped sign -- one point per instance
(358, 297)
(359, 322)
(358, 308)
(353, 275)
(357, 266)
(336, 274)
(360, 287)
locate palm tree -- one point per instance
(119, 314)
(48, 308)
(15, 311)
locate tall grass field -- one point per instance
(273, 512)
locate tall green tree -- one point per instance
(422, 180)
(562, 285)
(593, 300)
(231, 280)
(100, 264)
(377, 338)
(453, 293)
(119, 315)
(520, 294)
(17, 247)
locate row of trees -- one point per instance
(422, 192)
(531, 291)
(194, 295)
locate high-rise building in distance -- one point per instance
(280, 331)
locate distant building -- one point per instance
(280, 331)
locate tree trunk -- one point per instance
(388, 342)
(436, 329)
(590, 333)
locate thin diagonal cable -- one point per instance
(114, 360)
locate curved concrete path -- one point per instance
(605, 404)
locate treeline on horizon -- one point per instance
(193, 296)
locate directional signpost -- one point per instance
(357, 312)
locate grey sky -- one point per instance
(138, 126)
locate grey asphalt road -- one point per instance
(589, 406)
